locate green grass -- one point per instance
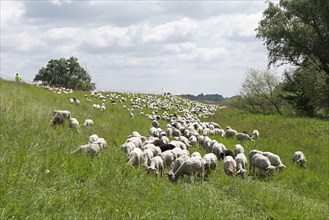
(40, 180)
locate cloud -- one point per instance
(184, 47)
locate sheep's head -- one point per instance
(241, 172)
(281, 167)
(271, 170)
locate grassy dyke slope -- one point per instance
(40, 180)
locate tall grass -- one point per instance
(39, 179)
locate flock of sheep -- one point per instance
(169, 148)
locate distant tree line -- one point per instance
(295, 32)
(201, 97)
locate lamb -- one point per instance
(275, 160)
(262, 163)
(210, 163)
(299, 158)
(90, 149)
(88, 123)
(189, 167)
(73, 123)
(255, 134)
(135, 157)
(241, 162)
(156, 166)
(229, 165)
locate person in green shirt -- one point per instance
(17, 78)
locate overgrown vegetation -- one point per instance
(39, 180)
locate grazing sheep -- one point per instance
(147, 156)
(230, 132)
(299, 158)
(128, 147)
(250, 155)
(238, 149)
(243, 137)
(229, 165)
(66, 114)
(217, 149)
(158, 142)
(177, 163)
(58, 119)
(156, 166)
(73, 123)
(255, 134)
(262, 163)
(88, 123)
(90, 149)
(189, 167)
(196, 154)
(155, 149)
(155, 124)
(241, 162)
(165, 147)
(168, 157)
(226, 153)
(101, 143)
(275, 160)
(210, 163)
(135, 157)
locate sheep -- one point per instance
(158, 142)
(177, 163)
(243, 136)
(226, 153)
(156, 166)
(165, 147)
(189, 167)
(66, 114)
(255, 134)
(229, 165)
(155, 124)
(180, 152)
(58, 119)
(262, 163)
(275, 160)
(238, 149)
(196, 154)
(90, 148)
(168, 157)
(241, 162)
(135, 157)
(93, 138)
(147, 156)
(250, 155)
(128, 147)
(73, 123)
(299, 158)
(210, 163)
(101, 143)
(88, 123)
(217, 149)
(230, 132)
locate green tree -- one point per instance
(296, 32)
(259, 92)
(65, 72)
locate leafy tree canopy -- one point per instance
(65, 72)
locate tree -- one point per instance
(66, 73)
(259, 92)
(296, 32)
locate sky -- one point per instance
(181, 47)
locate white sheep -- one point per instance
(262, 163)
(73, 123)
(229, 165)
(88, 123)
(177, 163)
(241, 162)
(156, 166)
(189, 167)
(275, 160)
(230, 132)
(250, 155)
(196, 154)
(135, 157)
(147, 156)
(299, 158)
(93, 138)
(168, 157)
(101, 143)
(243, 137)
(255, 134)
(210, 162)
(238, 149)
(65, 113)
(90, 149)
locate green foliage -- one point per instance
(40, 180)
(259, 92)
(305, 89)
(204, 98)
(66, 73)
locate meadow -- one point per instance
(41, 180)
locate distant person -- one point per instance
(17, 77)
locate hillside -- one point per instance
(41, 180)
